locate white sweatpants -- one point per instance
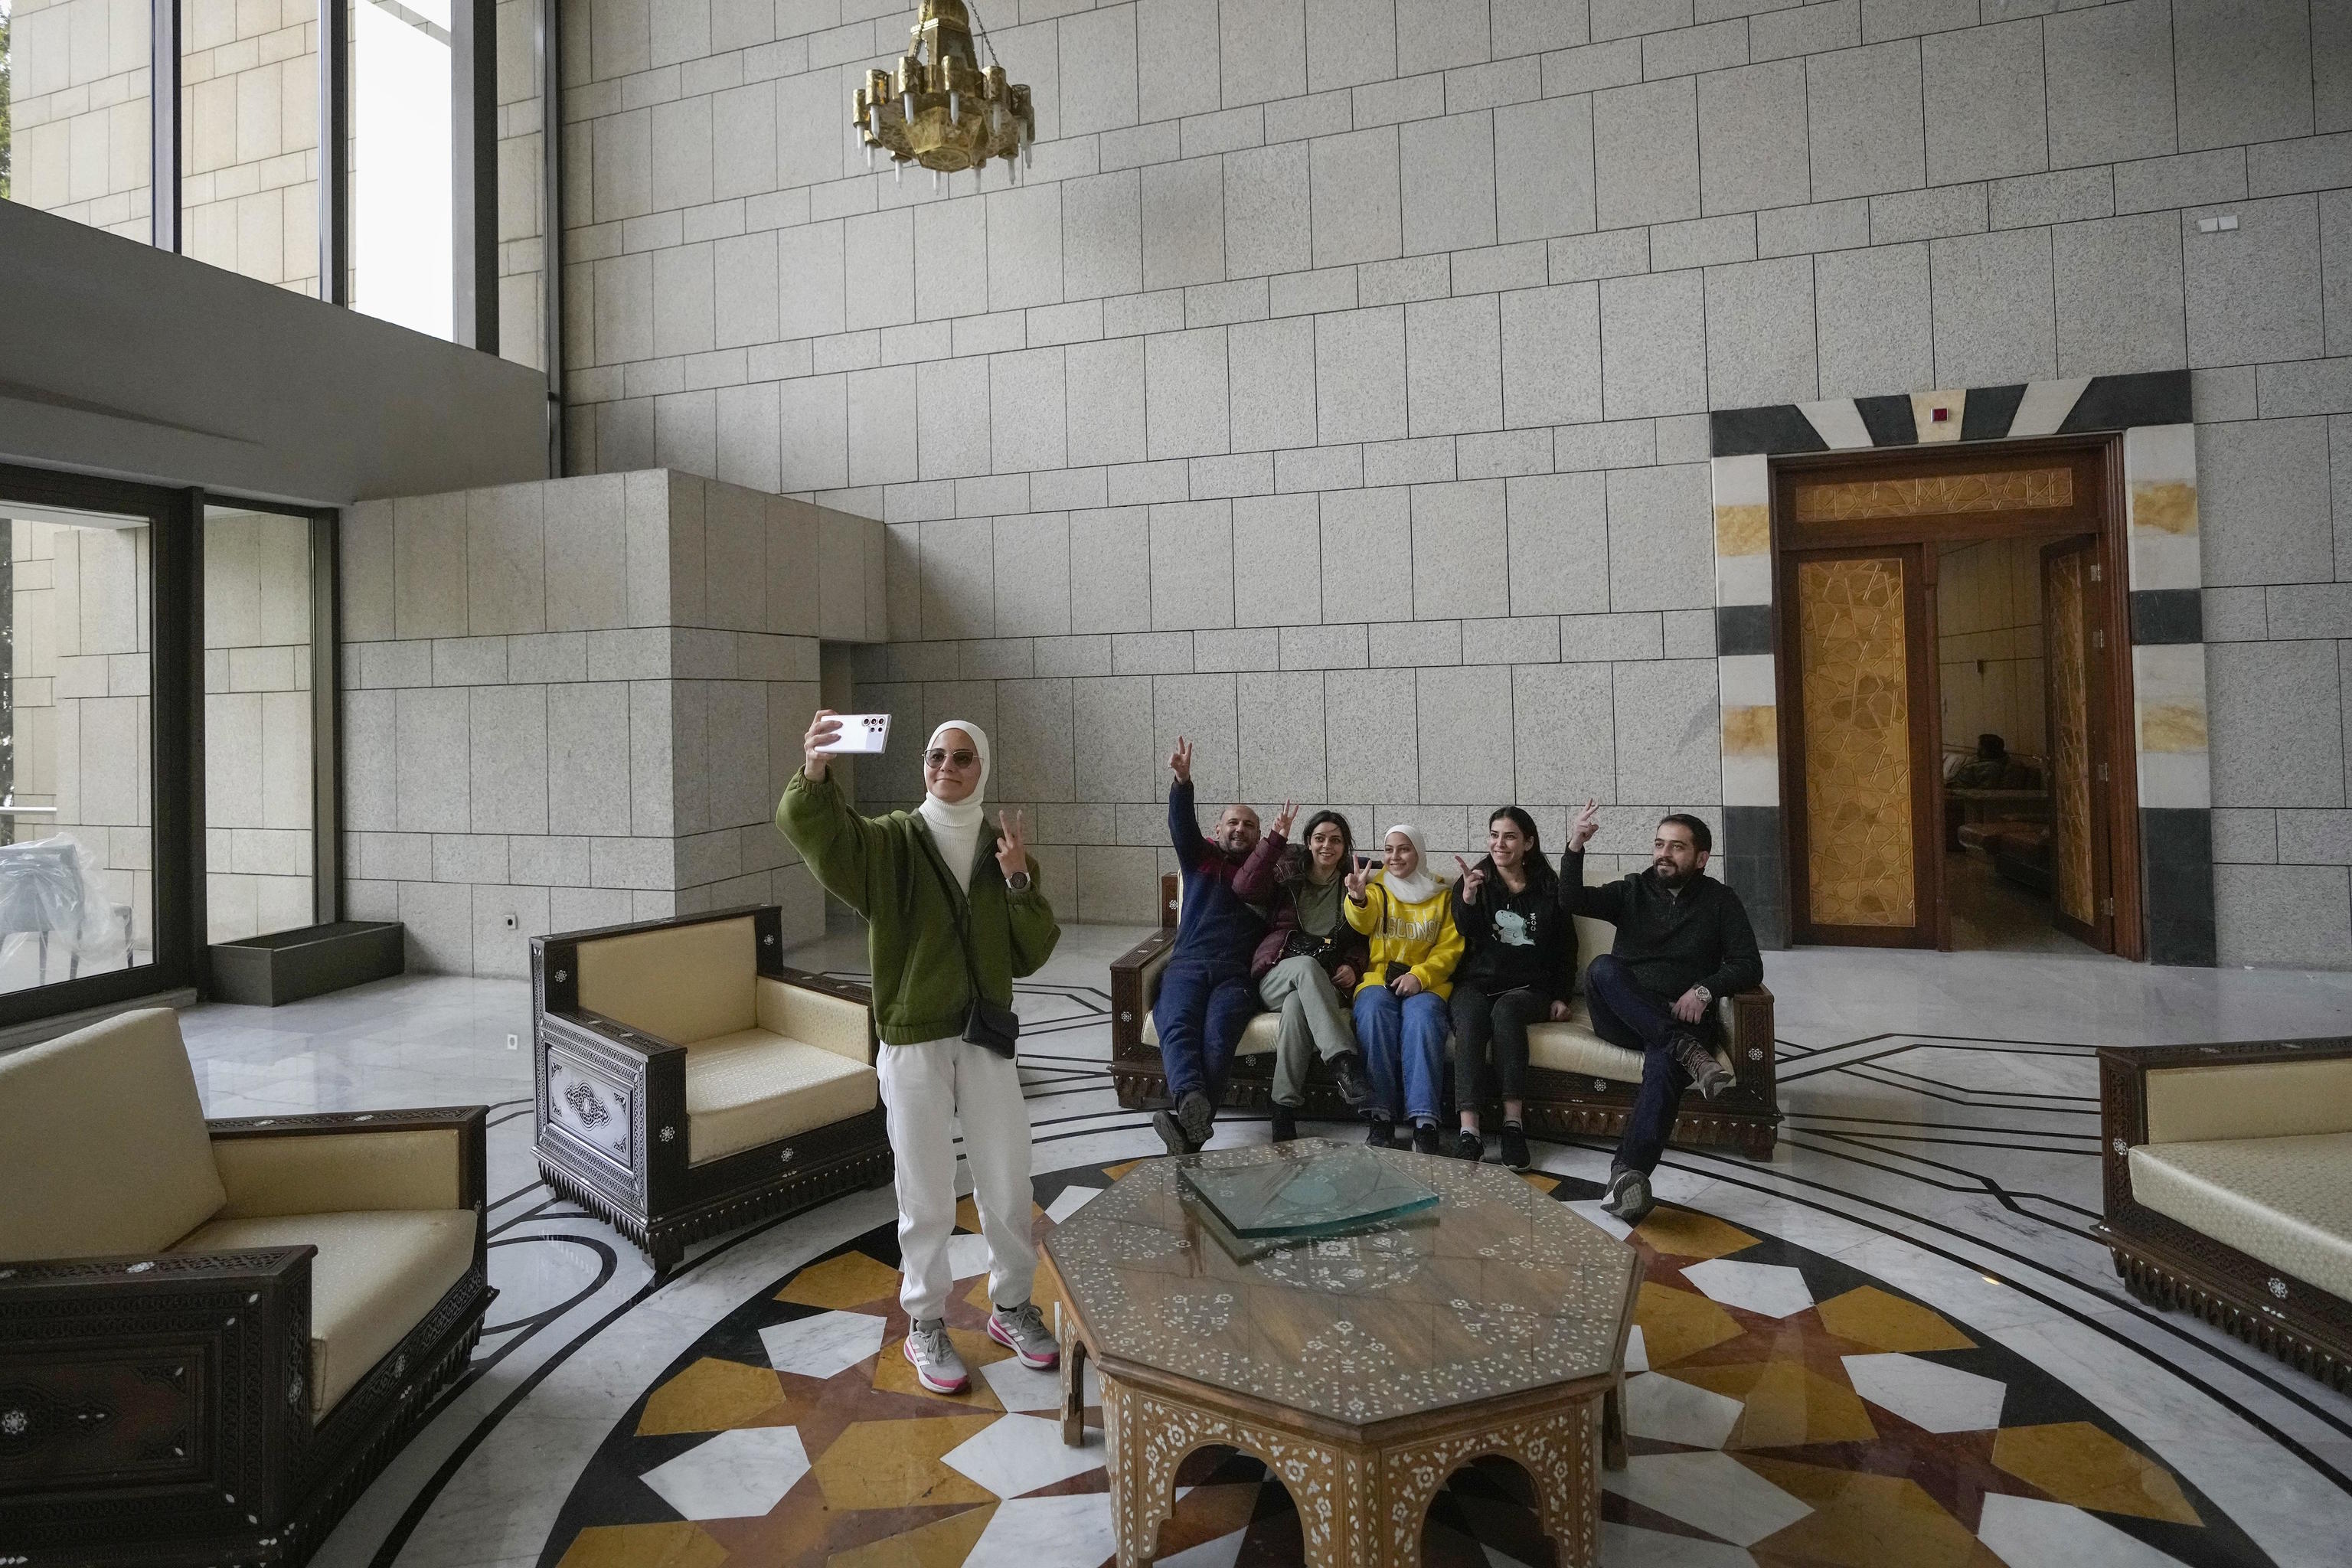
(926, 1089)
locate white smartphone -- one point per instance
(861, 734)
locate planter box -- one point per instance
(287, 967)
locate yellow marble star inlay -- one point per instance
(1686, 1233)
(716, 1395)
(1863, 1520)
(1869, 1316)
(849, 1280)
(677, 1544)
(2077, 1462)
(1539, 1182)
(895, 1464)
(1787, 1405)
(943, 1543)
(1676, 1323)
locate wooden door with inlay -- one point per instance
(1857, 676)
(2082, 885)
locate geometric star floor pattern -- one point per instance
(1896, 1342)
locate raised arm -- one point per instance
(1260, 872)
(1183, 822)
(841, 848)
(1606, 902)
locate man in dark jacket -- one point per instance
(1682, 940)
(1206, 996)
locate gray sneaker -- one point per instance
(1628, 1197)
(1708, 1076)
(937, 1365)
(1022, 1330)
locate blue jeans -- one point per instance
(1625, 1014)
(1403, 1039)
(1201, 1010)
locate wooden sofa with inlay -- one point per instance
(1577, 1083)
(689, 1083)
(214, 1334)
(2228, 1174)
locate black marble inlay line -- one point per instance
(1742, 629)
(1983, 1184)
(2121, 401)
(1989, 411)
(1949, 1126)
(1778, 428)
(2032, 1048)
(1890, 420)
(2010, 1100)
(1873, 1140)
(1736, 1175)
(2163, 616)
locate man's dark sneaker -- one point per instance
(1468, 1145)
(1348, 1072)
(1628, 1197)
(1424, 1138)
(1708, 1076)
(1515, 1146)
(1285, 1123)
(1193, 1114)
(1171, 1132)
(1382, 1135)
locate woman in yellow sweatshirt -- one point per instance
(1400, 1011)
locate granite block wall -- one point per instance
(1334, 387)
(573, 703)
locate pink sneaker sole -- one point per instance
(925, 1378)
(1035, 1363)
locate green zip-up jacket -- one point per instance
(888, 868)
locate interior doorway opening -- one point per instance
(1955, 693)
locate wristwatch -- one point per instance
(1018, 882)
(1705, 996)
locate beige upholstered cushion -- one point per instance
(2286, 1201)
(414, 1169)
(102, 1143)
(1573, 1048)
(752, 1087)
(839, 1025)
(682, 982)
(376, 1275)
(2257, 1100)
(1257, 1040)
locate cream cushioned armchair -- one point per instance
(214, 1335)
(2229, 1189)
(687, 1082)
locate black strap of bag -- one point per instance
(987, 1025)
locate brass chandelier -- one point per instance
(939, 108)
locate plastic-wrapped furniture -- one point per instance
(214, 1334)
(1577, 1083)
(689, 1083)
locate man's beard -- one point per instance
(1667, 873)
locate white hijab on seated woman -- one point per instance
(1418, 887)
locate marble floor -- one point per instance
(1904, 1306)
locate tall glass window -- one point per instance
(249, 137)
(73, 110)
(77, 803)
(260, 757)
(402, 191)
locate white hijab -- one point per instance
(955, 825)
(1417, 887)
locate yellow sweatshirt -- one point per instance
(1420, 936)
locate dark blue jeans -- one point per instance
(1625, 1014)
(1201, 1010)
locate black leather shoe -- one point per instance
(1515, 1146)
(1381, 1134)
(1469, 1145)
(1348, 1072)
(1425, 1139)
(1285, 1123)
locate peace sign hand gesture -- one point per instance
(1179, 760)
(1473, 879)
(1284, 818)
(1013, 842)
(1358, 879)
(1587, 823)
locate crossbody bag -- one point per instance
(988, 1026)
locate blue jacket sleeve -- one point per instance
(1183, 826)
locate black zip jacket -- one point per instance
(1671, 944)
(1534, 947)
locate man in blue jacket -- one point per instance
(1206, 996)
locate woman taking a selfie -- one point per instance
(954, 915)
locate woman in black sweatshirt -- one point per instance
(1518, 957)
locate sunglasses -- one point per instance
(939, 757)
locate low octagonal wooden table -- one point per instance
(1363, 1370)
